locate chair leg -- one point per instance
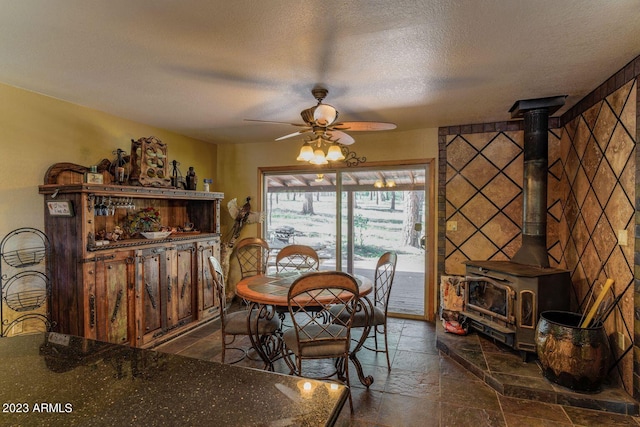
(342, 373)
(346, 374)
(225, 348)
(375, 337)
(386, 346)
(288, 359)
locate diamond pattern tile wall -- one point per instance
(484, 196)
(599, 159)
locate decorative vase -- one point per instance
(574, 357)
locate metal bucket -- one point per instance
(574, 357)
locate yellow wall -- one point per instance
(37, 131)
(238, 165)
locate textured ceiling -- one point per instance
(199, 67)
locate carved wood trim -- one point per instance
(71, 173)
(57, 169)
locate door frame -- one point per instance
(430, 303)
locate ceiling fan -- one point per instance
(320, 121)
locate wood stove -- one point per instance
(503, 299)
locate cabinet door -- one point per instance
(180, 285)
(150, 270)
(207, 304)
(108, 280)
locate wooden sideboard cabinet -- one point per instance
(133, 290)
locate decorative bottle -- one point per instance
(192, 179)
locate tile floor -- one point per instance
(504, 370)
(424, 388)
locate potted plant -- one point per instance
(144, 220)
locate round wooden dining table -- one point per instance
(268, 294)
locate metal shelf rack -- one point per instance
(25, 285)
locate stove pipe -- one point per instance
(536, 114)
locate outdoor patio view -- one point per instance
(374, 221)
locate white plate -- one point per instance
(156, 234)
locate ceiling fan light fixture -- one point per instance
(334, 153)
(306, 153)
(324, 114)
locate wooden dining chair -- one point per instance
(297, 258)
(311, 337)
(377, 319)
(252, 254)
(237, 323)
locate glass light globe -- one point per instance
(324, 114)
(335, 153)
(318, 158)
(306, 153)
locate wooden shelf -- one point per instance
(129, 191)
(135, 291)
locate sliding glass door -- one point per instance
(351, 217)
(301, 209)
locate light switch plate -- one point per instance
(621, 341)
(622, 238)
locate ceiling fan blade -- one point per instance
(293, 134)
(278, 123)
(340, 137)
(363, 126)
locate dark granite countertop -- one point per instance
(57, 379)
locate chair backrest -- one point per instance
(252, 254)
(297, 258)
(218, 284)
(310, 298)
(385, 271)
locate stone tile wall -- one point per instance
(591, 199)
(483, 176)
(598, 151)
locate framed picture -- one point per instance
(94, 178)
(60, 207)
